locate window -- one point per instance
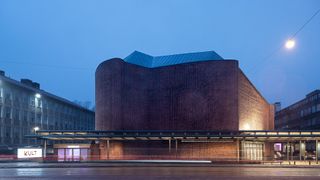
(25, 115)
(39, 103)
(314, 121)
(301, 113)
(7, 99)
(38, 120)
(32, 116)
(33, 103)
(8, 112)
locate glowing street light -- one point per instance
(290, 44)
(36, 129)
(38, 95)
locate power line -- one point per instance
(280, 47)
(305, 24)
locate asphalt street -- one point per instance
(160, 173)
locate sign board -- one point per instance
(29, 153)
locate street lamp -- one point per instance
(290, 44)
(38, 95)
(36, 129)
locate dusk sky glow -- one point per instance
(60, 43)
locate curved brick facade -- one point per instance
(208, 95)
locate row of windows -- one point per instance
(21, 111)
(305, 101)
(311, 122)
(22, 99)
(310, 110)
(23, 115)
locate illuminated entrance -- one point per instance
(72, 152)
(252, 150)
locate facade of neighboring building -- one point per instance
(277, 106)
(302, 115)
(193, 91)
(24, 106)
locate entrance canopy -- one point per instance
(194, 135)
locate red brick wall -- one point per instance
(209, 95)
(108, 95)
(255, 113)
(192, 96)
(160, 150)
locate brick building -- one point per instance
(193, 91)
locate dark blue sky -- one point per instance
(60, 43)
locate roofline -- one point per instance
(186, 53)
(151, 59)
(42, 92)
(299, 101)
(158, 67)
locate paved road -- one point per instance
(160, 173)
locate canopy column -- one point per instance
(317, 149)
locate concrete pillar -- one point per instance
(317, 149)
(303, 149)
(176, 148)
(263, 151)
(108, 149)
(291, 150)
(44, 152)
(238, 150)
(300, 150)
(169, 141)
(288, 150)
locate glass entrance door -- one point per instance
(76, 154)
(251, 150)
(72, 154)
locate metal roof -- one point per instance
(145, 60)
(273, 136)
